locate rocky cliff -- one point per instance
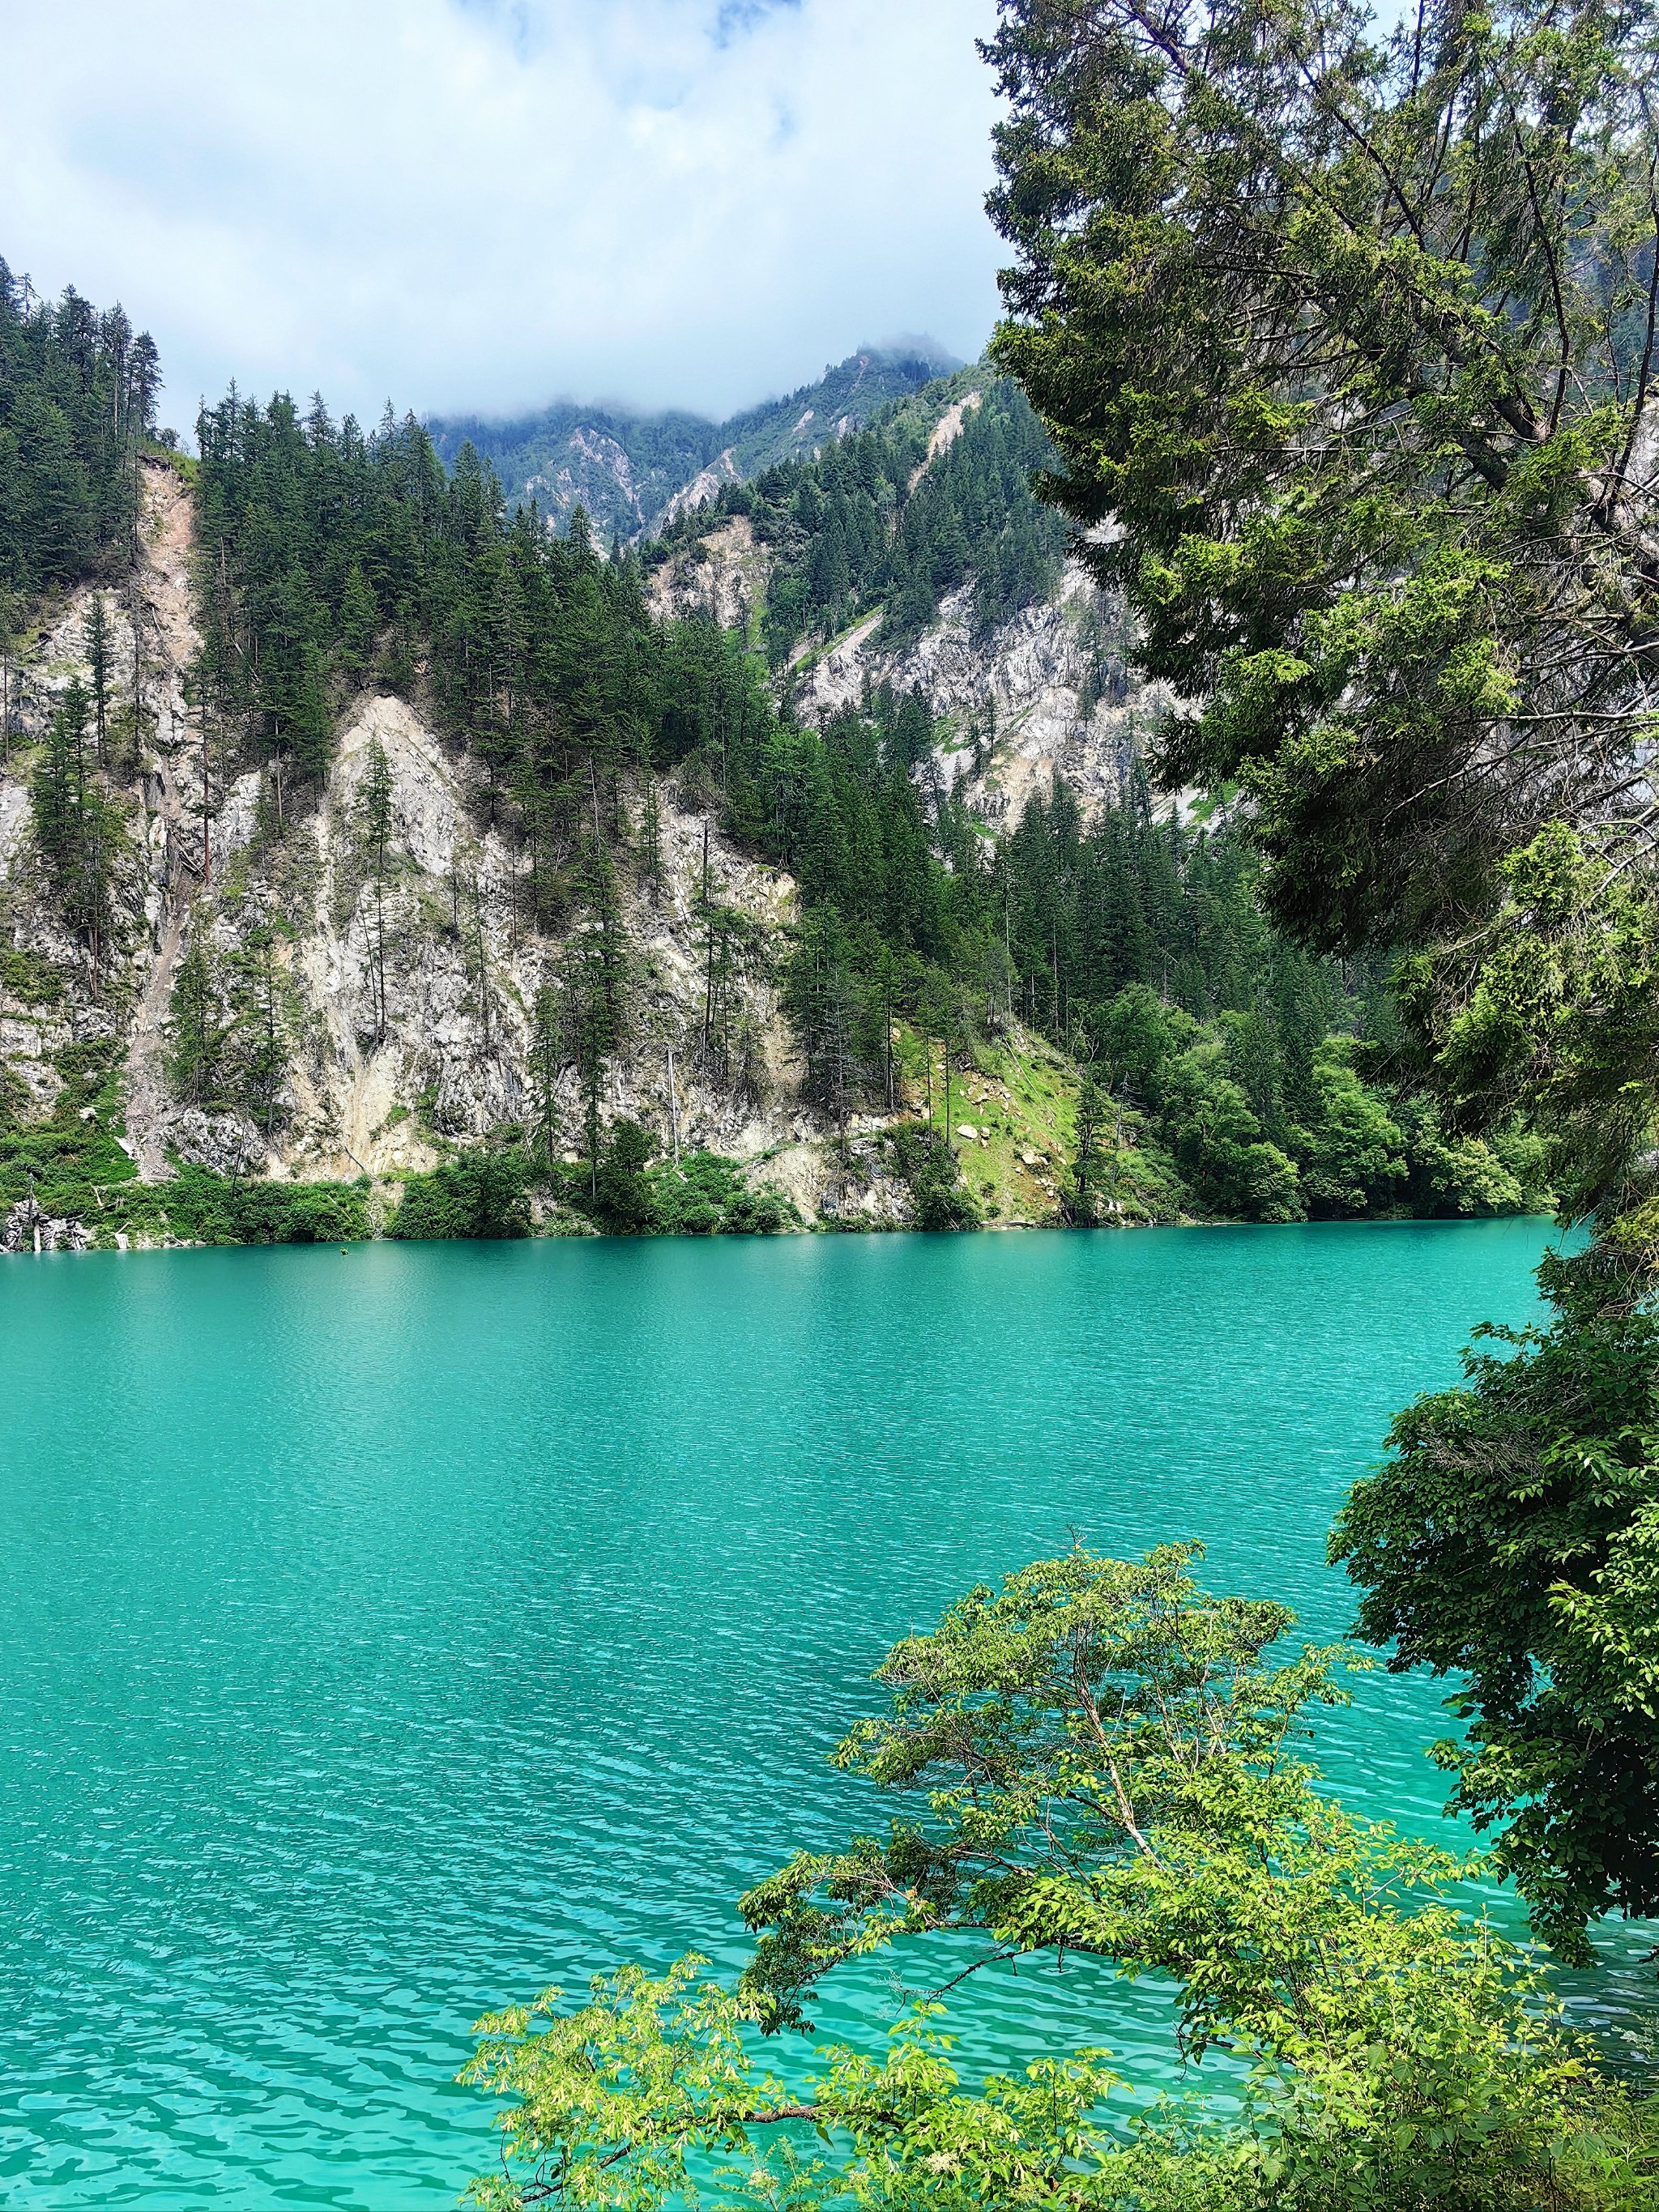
(400, 1007)
(1047, 693)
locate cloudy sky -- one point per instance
(484, 203)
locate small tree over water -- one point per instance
(1083, 1200)
(1098, 1758)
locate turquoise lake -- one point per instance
(390, 1635)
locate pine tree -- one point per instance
(650, 836)
(1083, 1199)
(593, 1032)
(374, 817)
(548, 1027)
(77, 831)
(360, 622)
(820, 997)
(97, 645)
(10, 615)
(199, 1033)
(259, 1007)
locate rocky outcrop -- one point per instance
(946, 431)
(594, 456)
(723, 575)
(28, 1228)
(704, 486)
(1048, 694)
(368, 1088)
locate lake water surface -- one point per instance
(387, 1636)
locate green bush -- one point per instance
(920, 1156)
(481, 1194)
(29, 977)
(622, 1198)
(206, 1208)
(706, 1196)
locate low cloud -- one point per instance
(483, 203)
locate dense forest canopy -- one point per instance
(1346, 350)
(77, 404)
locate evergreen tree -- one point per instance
(374, 820)
(262, 1029)
(360, 622)
(650, 836)
(79, 832)
(822, 1001)
(1347, 345)
(548, 1028)
(1083, 1199)
(77, 406)
(95, 642)
(196, 1054)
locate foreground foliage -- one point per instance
(1513, 1539)
(1348, 349)
(1102, 1760)
(1352, 341)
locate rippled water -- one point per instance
(389, 1635)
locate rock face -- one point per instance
(721, 470)
(724, 574)
(447, 1062)
(1048, 694)
(27, 1228)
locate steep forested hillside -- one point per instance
(624, 467)
(375, 828)
(898, 517)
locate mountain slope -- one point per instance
(219, 912)
(915, 554)
(371, 856)
(627, 469)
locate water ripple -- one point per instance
(391, 1636)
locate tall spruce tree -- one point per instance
(374, 822)
(1348, 346)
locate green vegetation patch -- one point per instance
(626, 1193)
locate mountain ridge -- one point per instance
(626, 467)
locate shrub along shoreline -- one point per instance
(73, 1174)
